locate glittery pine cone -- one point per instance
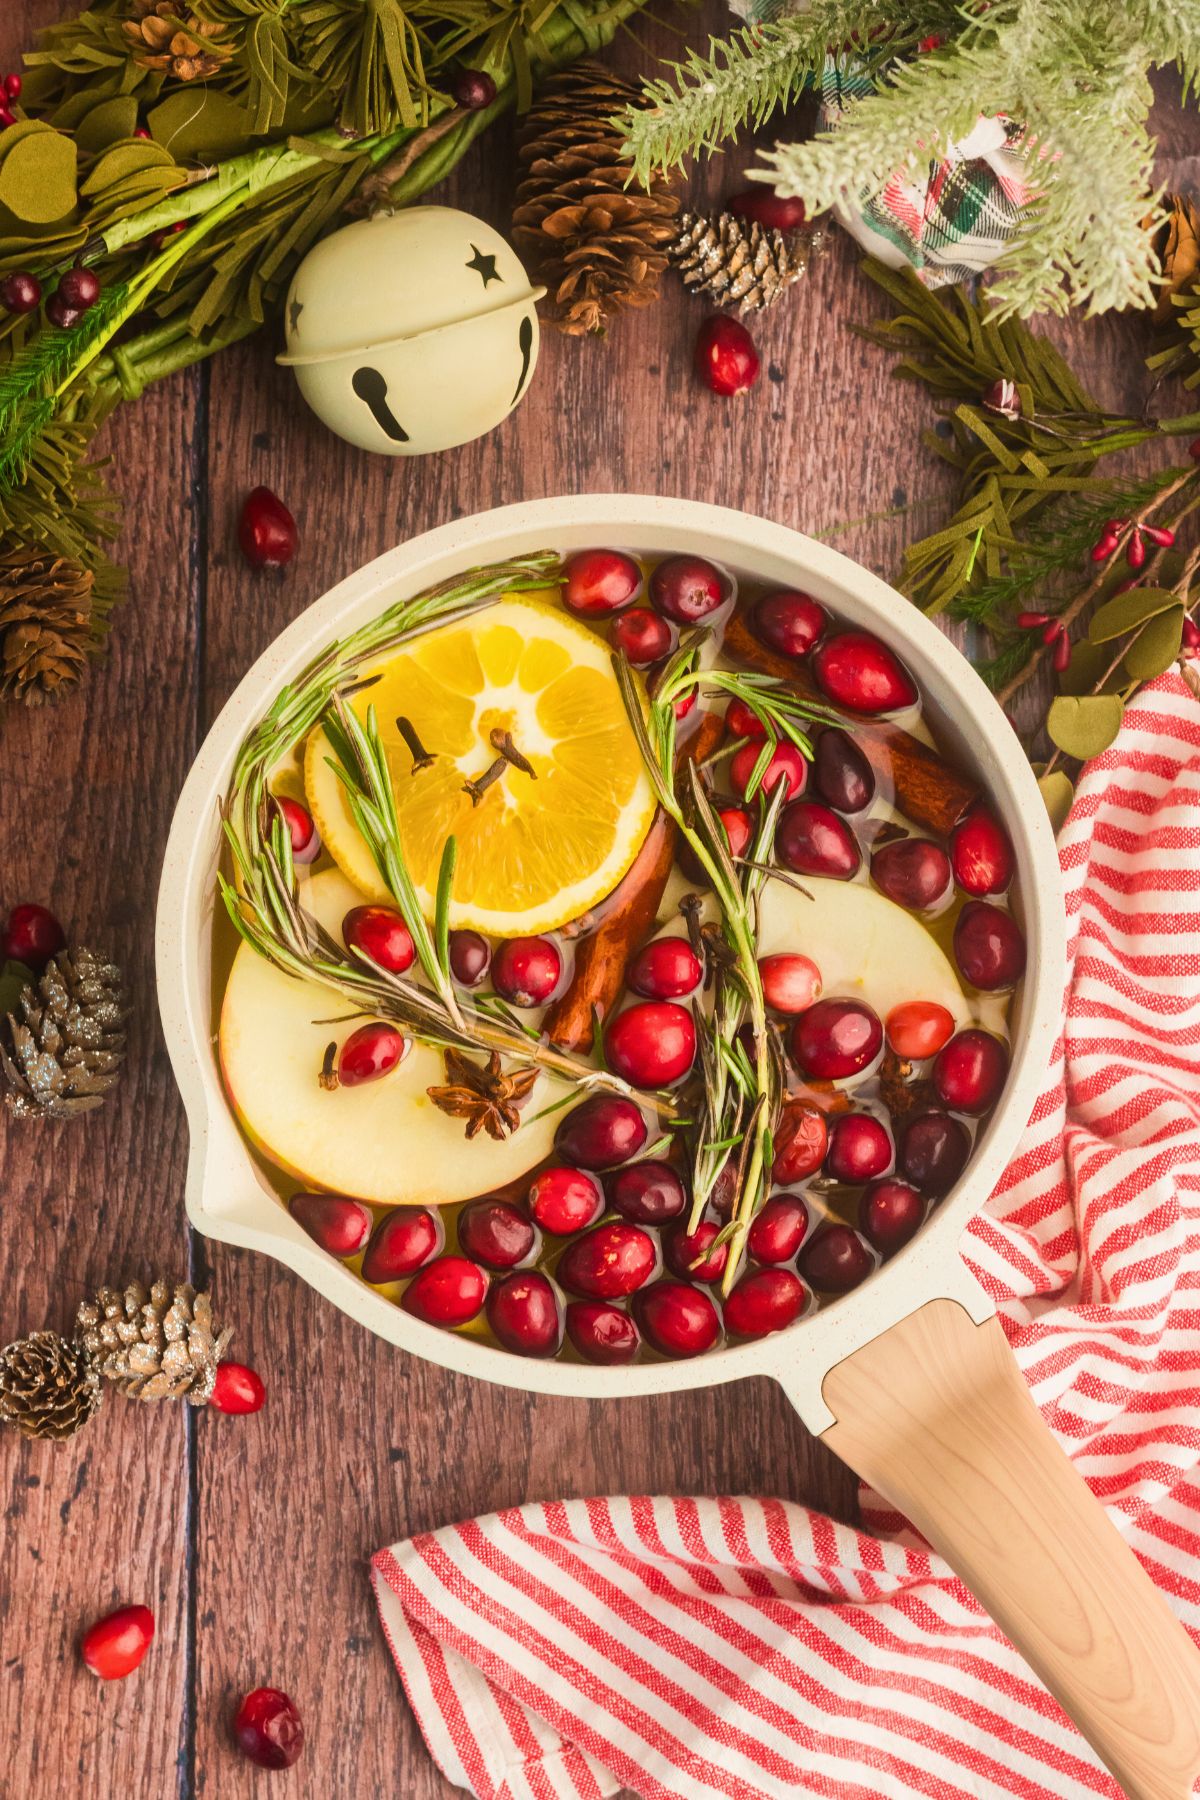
(49, 1387)
(61, 1050)
(733, 262)
(45, 624)
(156, 1345)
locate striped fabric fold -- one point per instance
(752, 1649)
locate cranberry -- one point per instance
(381, 934)
(683, 706)
(642, 635)
(739, 828)
(79, 288)
(305, 838)
(890, 1214)
(836, 1260)
(842, 775)
(784, 764)
(687, 589)
(602, 1333)
(648, 1193)
(811, 839)
(763, 1301)
(690, 1254)
(267, 531)
(789, 622)
(268, 1729)
(778, 1229)
(981, 854)
(495, 1233)
(473, 89)
(339, 1225)
(791, 982)
(32, 936)
(988, 946)
(763, 206)
(564, 1200)
(606, 1130)
(610, 1262)
(725, 358)
(835, 1039)
(448, 1291)
(237, 1389)
(677, 1319)
(970, 1071)
(404, 1240)
(933, 1152)
(651, 1044)
(526, 970)
(522, 1311)
(855, 669)
(665, 969)
(599, 581)
(470, 958)
(742, 721)
(370, 1052)
(20, 292)
(114, 1646)
(914, 872)
(12, 86)
(800, 1139)
(859, 1149)
(918, 1028)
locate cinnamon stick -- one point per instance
(924, 784)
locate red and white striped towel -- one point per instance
(747, 1648)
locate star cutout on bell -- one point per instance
(484, 266)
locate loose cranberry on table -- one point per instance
(842, 776)
(788, 621)
(369, 1053)
(266, 530)
(981, 854)
(268, 1729)
(890, 1214)
(856, 670)
(563, 1200)
(811, 839)
(933, 1152)
(676, 1318)
(836, 1039)
(339, 1225)
(642, 636)
(778, 1229)
(381, 934)
(686, 589)
(970, 1071)
(665, 969)
(448, 1291)
(470, 958)
(764, 1300)
(726, 358)
(405, 1239)
(912, 871)
(605, 1131)
(495, 1233)
(237, 1389)
(801, 1137)
(610, 1262)
(690, 1254)
(836, 1260)
(785, 765)
(31, 936)
(596, 582)
(739, 828)
(791, 982)
(114, 1646)
(763, 206)
(860, 1149)
(526, 970)
(305, 838)
(648, 1193)
(917, 1029)
(989, 947)
(601, 1333)
(651, 1044)
(522, 1310)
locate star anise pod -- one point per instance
(483, 1094)
(899, 1092)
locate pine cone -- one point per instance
(735, 263)
(49, 1388)
(167, 35)
(598, 245)
(45, 624)
(161, 1345)
(61, 1056)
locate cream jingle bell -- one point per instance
(412, 331)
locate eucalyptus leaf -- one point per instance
(1156, 645)
(201, 125)
(104, 124)
(1058, 792)
(37, 173)
(1084, 725)
(14, 977)
(1125, 612)
(122, 160)
(1088, 663)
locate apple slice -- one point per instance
(384, 1141)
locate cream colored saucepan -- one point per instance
(909, 1377)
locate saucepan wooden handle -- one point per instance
(935, 1415)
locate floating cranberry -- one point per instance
(687, 589)
(912, 871)
(32, 936)
(917, 1029)
(600, 581)
(564, 1200)
(690, 1254)
(304, 836)
(739, 828)
(448, 1291)
(473, 89)
(778, 1229)
(339, 1225)
(405, 1239)
(114, 1646)
(648, 1193)
(79, 288)
(526, 970)
(726, 358)
(677, 1319)
(890, 1214)
(856, 670)
(642, 636)
(988, 946)
(651, 1044)
(764, 1300)
(791, 982)
(811, 839)
(859, 1149)
(605, 1131)
(836, 1260)
(785, 765)
(981, 854)
(495, 1233)
(369, 1053)
(20, 292)
(842, 775)
(381, 934)
(268, 1729)
(609, 1262)
(266, 530)
(801, 1137)
(470, 958)
(522, 1311)
(683, 706)
(237, 1389)
(789, 622)
(835, 1039)
(970, 1071)
(933, 1152)
(665, 969)
(601, 1333)
(763, 206)
(742, 721)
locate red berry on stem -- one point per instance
(812, 839)
(32, 936)
(266, 530)
(59, 313)
(687, 589)
(301, 829)
(1032, 621)
(969, 1073)
(1053, 631)
(917, 1029)
(677, 1319)
(856, 670)
(268, 1729)
(842, 775)
(522, 1311)
(605, 1131)
(114, 1646)
(495, 1233)
(1061, 659)
(651, 1044)
(20, 292)
(448, 1291)
(470, 958)
(891, 1214)
(371, 1052)
(1161, 535)
(339, 1225)
(860, 1149)
(690, 1254)
(788, 621)
(933, 1152)
(473, 89)
(1135, 550)
(642, 636)
(665, 969)
(989, 947)
(601, 1333)
(648, 1193)
(1190, 637)
(610, 1262)
(564, 1200)
(785, 764)
(381, 934)
(914, 872)
(836, 1260)
(726, 359)
(763, 206)
(778, 1229)
(764, 1300)
(1104, 546)
(237, 1389)
(526, 970)
(596, 582)
(835, 1039)
(12, 86)
(791, 982)
(79, 289)
(981, 855)
(800, 1140)
(404, 1240)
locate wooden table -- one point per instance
(250, 1538)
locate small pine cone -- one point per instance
(46, 630)
(49, 1388)
(738, 264)
(166, 35)
(161, 1345)
(62, 1054)
(598, 243)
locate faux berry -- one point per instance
(268, 1729)
(725, 358)
(691, 1254)
(339, 1225)
(522, 1310)
(470, 958)
(800, 1142)
(31, 936)
(266, 530)
(370, 1053)
(597, 582)
(778, 1229)
(20, 292)
(404, 1240)
(114, 1646)
(647, 1193)
(677, 1319)
(856, 670)
(764, 1300)
(609, 1263)
(791, 982)
(495, 1233)
(836, 1260)
(981, 854)
(642, 636)
(79, 288)
(448, 1291)
(785, 764)
(526, 970)
(842, 776)
(763, 206)
(686, 589)
(302, 831)
(237, 1389)
(381, 935)
(564, 1200)
(859, 1149)
(601, 1333)
(473, 89)
(912, 871)
(605, 1131)
(969, 1073)
(12, 86)
(665, 969)
(836, 1039)
(811, 839)
(890, 1214)
(989, 947)
(60, 314)
(933, 1152)
(651, 1044)
(917, 1029)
